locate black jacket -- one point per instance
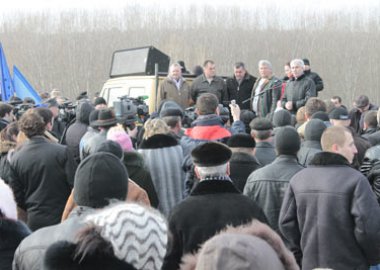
(265, 153)
(212, 206)
(298, 91)
(331, 217)
(307, 151)
(241, 92)
(42, 176)
(241, 166)
(76, 131)
(5, 152)
(11, 234)
(138, 172)
(316, 79)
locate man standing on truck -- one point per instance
(175, 87)
(208, 82)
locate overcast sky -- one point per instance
(9, 6)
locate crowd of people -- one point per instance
(285, 180)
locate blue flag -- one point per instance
(23, 88)
(6, 84)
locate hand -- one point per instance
(235, 112)
(289, 105)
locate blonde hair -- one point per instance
(154, 127)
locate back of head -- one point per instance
(261, 128)
(4, 109)
(324, 116)
(45, 113)
(333, 135)
(121, 137)
(241, 140)
(99, 178)
(32, 124)
(314, 129)
(83, 112)
(154, 127)
(370, 119)
(282, 118)
(287, 141)
(246, 116)
(207, 104)
(314, 105)
(111, 147)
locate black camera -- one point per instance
(21, 108)
(67, 111)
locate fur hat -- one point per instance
(138, 235)
(99, 178)
(241, 140)
(8, 206)
(251, 246)
(314, 129)
(282, 118)
(287, 141)
(121, 137)
(211, 154)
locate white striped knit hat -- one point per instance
(138, 235)
(7, 202)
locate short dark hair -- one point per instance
(32, 124)
(171, 121)
(9, 131)
(207, 104)
(314, 105)
(208, 62)
(45, 113)
(261, 134)
(370, 118)
(239, 65)
(5, 108)
(338, 98)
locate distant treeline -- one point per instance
(72, 50)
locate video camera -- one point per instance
(20, 108)
(127, 108)
(67, 111)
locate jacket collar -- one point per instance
(287, 159)
(329, 159)
(205, 187)
(207, 120)
(264, 145)
(312, 144)
(159, 141)
(299, 78)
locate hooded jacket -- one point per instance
(76, 131)
(330, 216)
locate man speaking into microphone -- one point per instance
(266, 91)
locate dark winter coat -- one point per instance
(29, 255)
(139, 173)
(163, 157)
(298, 90)
(11, 234)
(241, 166)
(331, 217)
(270, 93)
(217, 87)
(241, 92)
(6, 148)
(266, 186)
(265, 153)
(357, 118)
(374, 138)
(212, 205)
(76, 131)
(316, 79)
(42, 176)
(307, 151)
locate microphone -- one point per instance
(266, 90)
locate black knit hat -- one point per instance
(287, 141)
(282, 118)
(261, 124)
(306, 62)
(314, 129)
(339, 114)
(99, 178)
(211, 154)
(110, 147)
(324, 116)
(241, 140)
(171, 112)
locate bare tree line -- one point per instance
(72, 51)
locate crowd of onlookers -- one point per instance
(285, 181)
